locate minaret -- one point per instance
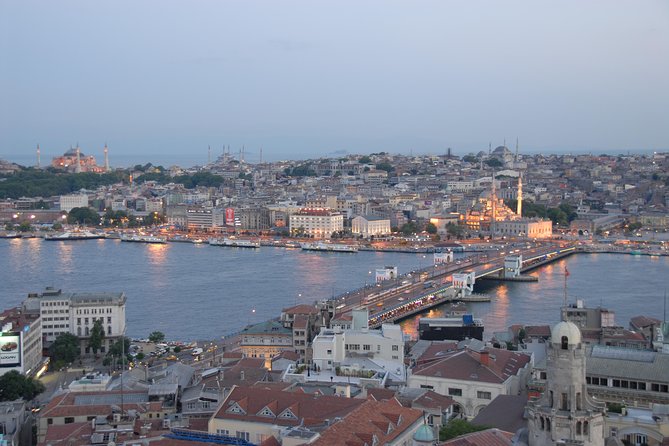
(565, 414)
(209, 155)
(519, 205)
(493, 197)
(260, 156)
(516, 159)
(38, 157)
(77, 167)
(106, 152)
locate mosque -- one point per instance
(75, 161)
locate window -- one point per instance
(366, 347)
(78, 321)
(49, 421)
(69, 420)
(396, 348)
(222, 432)
(243, 435)
(454, 392)
(564, 402)
(425, 386)
(565, 342)
(109, 319)
(483, 395)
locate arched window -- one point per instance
(585, 428)
(578, 400)
(548, 424)
(565, 342)
(550, 401)
(578, 428)
(542, 423)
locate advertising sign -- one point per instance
(10, 349)
(229, 216)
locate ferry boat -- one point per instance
(328, 247)
(12, 234)
(74, 235)
(234, 242)
(451, 328)
(141, 238)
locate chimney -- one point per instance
(485, 358)
(241, 375)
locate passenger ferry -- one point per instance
(234, 242)
(74, 235)
(142, 238)
(328, 247)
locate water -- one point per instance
(201, 292)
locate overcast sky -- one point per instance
(161, 80)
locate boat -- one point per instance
(451, 328)
(328, 247)
(234, 242)
(142, 238)
(12, 234)
(74, 235)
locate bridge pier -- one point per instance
(512, 265)
(463, 284)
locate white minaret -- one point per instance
(493, 197)
(38, 157)
(565, 414)
(106, 152)
(519, 205)
(77, 167)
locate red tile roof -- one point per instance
(385, 420)
(301, 309)
(466, 365)
(644, 321)
(489, 437)
(306, 408)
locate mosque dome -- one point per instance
(424, 434)
(568, 329)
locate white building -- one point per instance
(76, 313)
(368, 226)
(317, 223)
(525, 227)
(383, 348)
(69, 202)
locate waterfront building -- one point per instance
(265, 340)
(472, 377)
(565, 413)
(76, 313)
(20, 341)
(525, 227)
(205, 218)
(316, 223)
(369, 226)
(69, 202)
(304, 321)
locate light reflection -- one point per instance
(65, 257)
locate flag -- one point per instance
(566, 272)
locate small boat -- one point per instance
(74, 235)
(12, 234)
(141, 238)
(234, 242)
(328, 247)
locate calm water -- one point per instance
(202, 292)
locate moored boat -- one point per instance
(234, 242)
(142, 238)
(11, 234)
(74, 235)
(328, 247)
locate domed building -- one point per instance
(76, 161)
(565, 414)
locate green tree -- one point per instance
(177, 349)
(431, 228)
(25, 226)
(455, 230)
(385, 166)
(14, 386)
(458, 427)
(119, 348)
(157, 336)
(365, 160)
(470, 158)
(65, 348)
(409, 228)
(140, 356)
(83, 216)
(97, 336)
(494, 162)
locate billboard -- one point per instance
(10, 350)
(230, 216)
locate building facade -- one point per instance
(369, 226)
(69, 202)
(21, 341)
(316, 223)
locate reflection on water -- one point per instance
(170, 285)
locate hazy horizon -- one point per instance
(159, 81)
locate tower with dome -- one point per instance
(565, 414)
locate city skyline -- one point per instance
(304, 82)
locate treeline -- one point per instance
(45, 183)
(561, 215)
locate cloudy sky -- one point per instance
(161, 80)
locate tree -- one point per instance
(25, 226)
(456, 427)
(470, 158)
(385, 166)
(120, 349)
(65, 348)
(14, 386)
(157, 336)
(494, 162)
(431, 228)
(365, 160)
(97, 335)
(83, 216)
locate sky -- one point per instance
(161, 81)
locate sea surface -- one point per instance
(202, 292)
